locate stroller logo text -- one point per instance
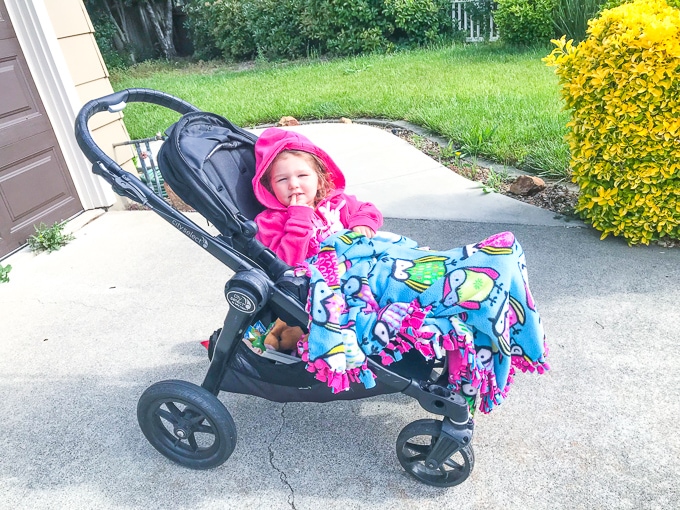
(240, 301)
(190, 234)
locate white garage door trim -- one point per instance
(58, 93)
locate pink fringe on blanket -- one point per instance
(462, 360)
(463, 366)
(539, 367)
(412, 334)
(336, 381)
(461, 357)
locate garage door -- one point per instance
(35, 184)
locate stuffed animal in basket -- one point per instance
(282, 337)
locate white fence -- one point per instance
(474, 29)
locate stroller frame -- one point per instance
(261, 287)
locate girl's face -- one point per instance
(293, 180)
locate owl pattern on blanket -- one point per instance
(468, 287)
(326, 307)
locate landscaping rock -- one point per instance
(288, 121)
(527, 185)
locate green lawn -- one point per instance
(491, 101)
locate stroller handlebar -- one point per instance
(114, 103)
(130, 186)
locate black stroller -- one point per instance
(209, 163)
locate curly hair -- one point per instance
(326, 185)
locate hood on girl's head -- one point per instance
(274, 140)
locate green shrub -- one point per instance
(525, 22)
(420, 22)
(339, 27)
(243, 29)
(104, 34)
(199, 23)
(275, 27)
(231, 29)
(623, 90)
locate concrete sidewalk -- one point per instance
(85, 330)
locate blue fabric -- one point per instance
(384, 296)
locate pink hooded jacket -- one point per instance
(294, 232)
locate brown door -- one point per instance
(35, 184)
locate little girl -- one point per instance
(303, 191)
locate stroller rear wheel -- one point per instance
(415, 443)
(187, 424)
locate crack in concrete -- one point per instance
(78, 303)
(282, 474)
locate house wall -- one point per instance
(75, 34)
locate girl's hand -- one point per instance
(364, 230)
(294, 201)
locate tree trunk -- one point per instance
(163, 27)
(121, 28)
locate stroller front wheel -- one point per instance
(417, 440)
(187, 424)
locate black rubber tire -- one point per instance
(187, 424)
(414, 444)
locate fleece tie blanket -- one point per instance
(385, 296)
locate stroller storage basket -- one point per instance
(209, 164)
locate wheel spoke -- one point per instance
(174, 410)
(206, 429)
(453, 464)
(196, 420)
(415, 459)
(192, 442)
(418, 448)
(442, 471)
(162, 413)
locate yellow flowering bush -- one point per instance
(622, 85)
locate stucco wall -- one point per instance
(75, 35)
